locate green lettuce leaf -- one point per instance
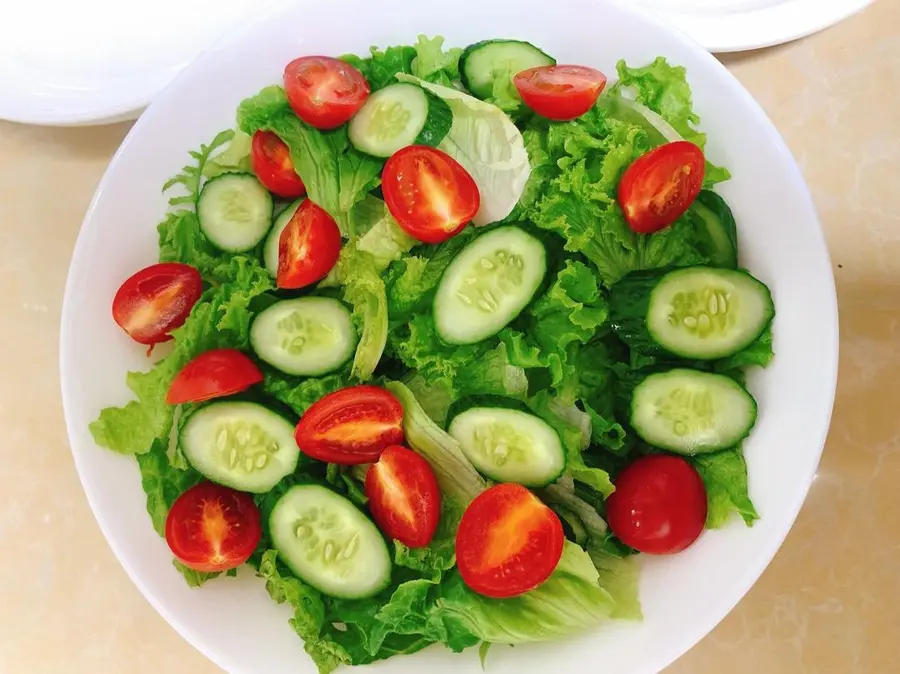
(488, 145)
(233, 159)
(385, 240)
(433, 64)
(363, 288)
(220, 319)
(336, 175)
(620, 577)
(439, 556)
(725, 476)
(299, 394)
(381, 67)
(191, 175)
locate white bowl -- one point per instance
(233, 621)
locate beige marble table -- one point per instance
(829, 602)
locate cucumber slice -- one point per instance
(481, 62)
(396, 116)
(306, 337)
(270, 247)
(717, 229)
(329, 543)
(509, 446)
(241, 445)
(692, 412)
(488, 284)
(707, 313)
(235, 211)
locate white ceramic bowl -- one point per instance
(233, 621)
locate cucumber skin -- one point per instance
(639, 379)
(629, 303)
(483, 43)
(437, 123)
(716, 205)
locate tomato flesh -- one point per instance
(271, 161)
(324, 92)
(156, 300)
(308, 248)
(213, 528)
(213, 374)
(508, 542)
(659, 186)
(404, 496)
(560, 92)
(659, 505)
(430, 195)
(351, 426)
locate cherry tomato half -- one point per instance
(213, 374)
(404, 496)
(659, 186)
(508, 542)
(308, 248)
(350, 426)
(560, 92)
(213, 528)
(431, 196)
(156, 300)
(271, 161)
(325, 92)
(659, 505)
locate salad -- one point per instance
(444, 339)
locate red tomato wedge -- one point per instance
(508, 542)
(271, 161)
(156, 300)
(404, 496)
(213, 528)
(213, 374)
(324, 92)
(659, 186)
(560, 92)
(659, 505)
(350, 426)
(308, 248)
(431, 196)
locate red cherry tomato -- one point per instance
(560, 92)
(659, 186)
(659, 505)
(213, 528)
(431, 196)
(508, 542)
(350, 426)
(325, 92)
(213, 374)
(404, 496)
(308, 248)
(271, 161)
(156, 300)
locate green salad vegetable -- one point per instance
(514, 287)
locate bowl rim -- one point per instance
(743, 581)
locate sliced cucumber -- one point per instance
(306, 337)
(717, 229)
(396, 116)
(488, 284)
(329, 543)
(270, 247)
(509, 446)
(707, 313)
(235, 211)
(692, 412)
(481, 62)
(240, 445)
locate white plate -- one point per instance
(737, 25)
(232, 620)
(98, 61)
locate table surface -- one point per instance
(827, 603)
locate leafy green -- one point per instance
(220, 319)
(457, 477)
(439, 556)
(381, 67)
(191, 175)
(336, 175)
(385, 240)
(298, 394)
(233, 159)
(488, 145)
(433, 64)
(725, 476)
(364, 289)
(619, 576)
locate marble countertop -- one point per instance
(828, 603)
